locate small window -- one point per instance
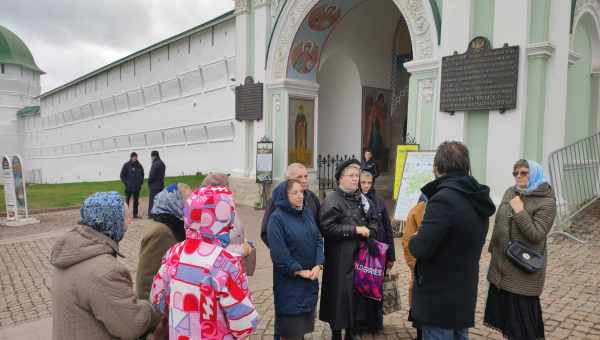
(2, 68)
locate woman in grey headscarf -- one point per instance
(160, 233)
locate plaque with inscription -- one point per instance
(483, 78)
(249, 100)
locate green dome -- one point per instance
(14, 51)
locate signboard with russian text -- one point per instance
(418, 171)
(9, 189)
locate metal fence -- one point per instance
(574, 175)
(326, 170)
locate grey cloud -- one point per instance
(69, 38)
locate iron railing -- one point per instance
(326, 170)
(574, 175)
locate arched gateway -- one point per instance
(344, 75)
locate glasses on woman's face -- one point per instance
(520, 173)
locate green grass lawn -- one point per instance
(45, 196)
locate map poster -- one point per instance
(401, 151)
(418, 171)
(9, 189)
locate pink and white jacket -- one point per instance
(201, 284)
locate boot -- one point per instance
(351, 335)
(336, 335)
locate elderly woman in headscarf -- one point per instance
(372, 311)
(92, 293)
(346, 218)
(200, 284)
(526, 214)
(160, 233)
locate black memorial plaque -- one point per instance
(480, 79)
(249, 100)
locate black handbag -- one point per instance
(522, 256)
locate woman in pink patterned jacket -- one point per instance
(200, 284)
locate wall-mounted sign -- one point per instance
(249, 100)
(483, 78)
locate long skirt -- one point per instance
(294, 326)
(518, 317)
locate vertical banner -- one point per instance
(20, 190)
(401, 151)
(9, 189)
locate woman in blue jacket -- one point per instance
(296, 247)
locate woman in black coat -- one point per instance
(296, 249)
(346, 219)
(371, 313)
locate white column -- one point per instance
(456, 33)
(557, 77)
(243, 41)
(506, 130)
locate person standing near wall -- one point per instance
(132, 176)
(448, 246)
(156, 179)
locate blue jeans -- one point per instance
(434, 333)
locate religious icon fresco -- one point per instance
(309, 42)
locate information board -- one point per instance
(9, 189)
(418, 171)
(401, 151)
(264, 161)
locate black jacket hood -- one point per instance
(477, 194)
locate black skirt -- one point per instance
(518, 317)
(294, 326)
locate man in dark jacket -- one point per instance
(298, 172)
(448, 246)
(132, 176)
(156, 179)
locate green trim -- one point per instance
(539, 19)
(533, 135)
(436, 10)
(28, 111)
(216, 21)
(573, 5)
(477, 122)
(14, 51)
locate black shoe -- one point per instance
(336, 335)
(351, 335)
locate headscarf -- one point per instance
(168, 209)
(536, 176)
(209, 215)
(105, 213)
(169, 201)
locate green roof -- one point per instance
(28, 111)
(14, 51)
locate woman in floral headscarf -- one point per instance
(200, 284)
(92, 293)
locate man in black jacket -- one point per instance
(448, 246)
(156, 179)
(132, 176)
(297, 172)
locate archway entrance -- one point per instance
(336, 81)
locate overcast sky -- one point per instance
(69, 38)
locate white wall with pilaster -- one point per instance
(505, 130)
(456, 34)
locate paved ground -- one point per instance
(571, 299)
